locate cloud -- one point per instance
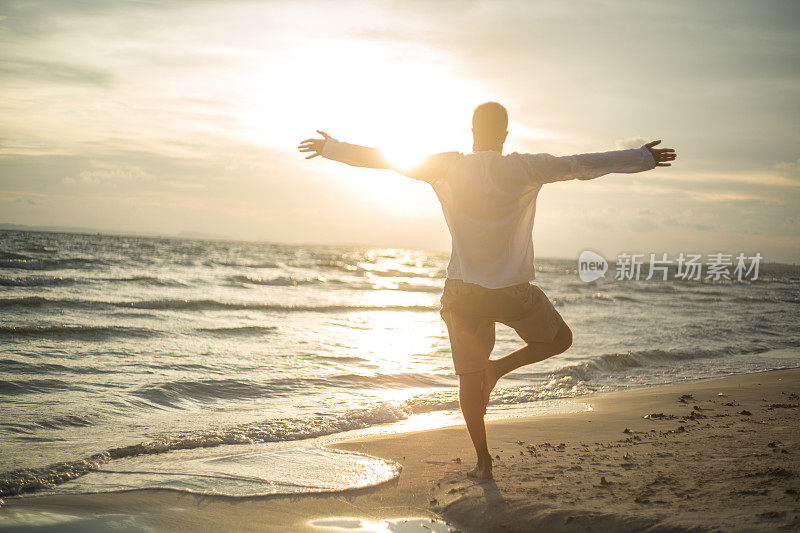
(790, 168)
(730, 197)
(53, 71)
(184, 185)
(112, 173)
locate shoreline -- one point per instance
(557, 471)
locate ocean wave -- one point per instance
(279, 281)
(655, 287)
(21, 367)
(174, 393)
(560, 301)
(611, 363)
(790, 298)
(239, 264)
(203, 305)
(25, 264)
(242, 331)
(148, 280)
(36, 281)
(55, 422)
(33, 386)
(210, 305)
(410, 287)
(398, 273)
(67, 332)
(365, 270)
(39, 248)
(13, 256)
(30, 263)
(288, 429)
(394, 381)
(338, 358)
(27, 301)
(280, 430)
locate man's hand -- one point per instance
(314, 145)
(661, 155)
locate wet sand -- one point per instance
(721, 454)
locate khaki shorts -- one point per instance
(470, 312)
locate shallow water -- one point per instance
(125, 348)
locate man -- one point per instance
(489, 202)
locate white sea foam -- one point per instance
(255, 470)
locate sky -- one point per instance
(184, 116)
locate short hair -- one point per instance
(490, 118)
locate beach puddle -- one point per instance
(394, 525)
(249, 471)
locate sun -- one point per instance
(405, 99)
(408, 101)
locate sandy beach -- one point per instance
(712, 455)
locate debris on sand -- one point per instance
(659, 416)
(783, 406)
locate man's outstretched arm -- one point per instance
(545, 168)
(351, 154)
(431, 169)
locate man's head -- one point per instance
(489, 127)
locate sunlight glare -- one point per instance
(404, 99)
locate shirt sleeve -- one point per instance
(545, 168)
(353, 154)
(434, 168)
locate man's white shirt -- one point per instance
(489, 201)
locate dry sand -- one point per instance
(717, 455)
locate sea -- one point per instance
(226, 367)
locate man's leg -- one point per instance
(471, 342)
(470, 395)
(532, 352)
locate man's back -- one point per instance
(489, 204)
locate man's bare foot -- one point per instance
(481, 471)
(489, 381)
